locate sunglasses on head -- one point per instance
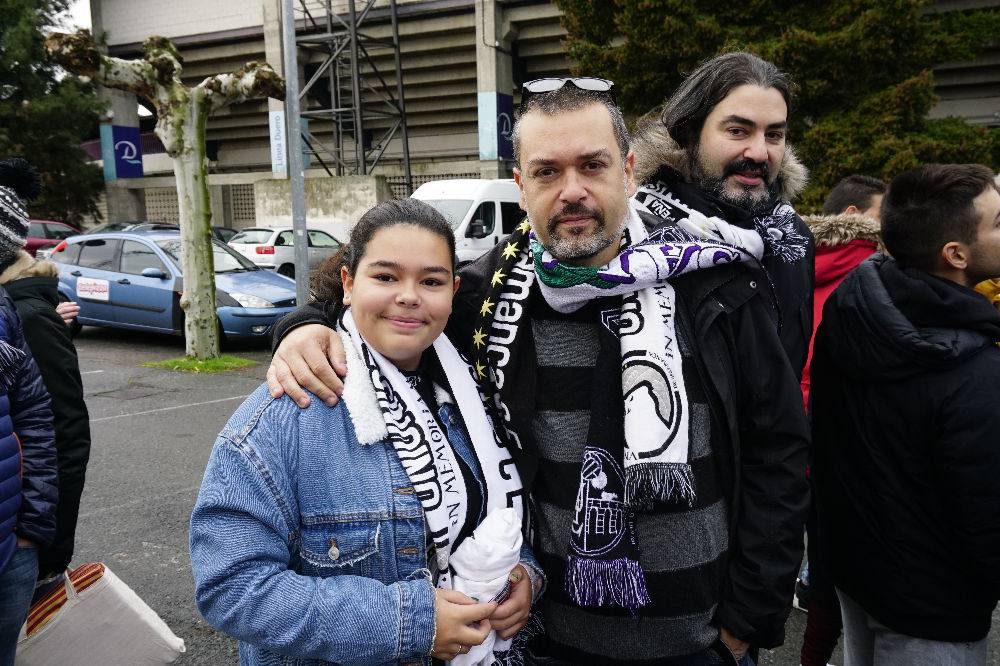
(551, 84)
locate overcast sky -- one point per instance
(79, 14)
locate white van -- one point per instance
(480, 211)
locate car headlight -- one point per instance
(250, 301)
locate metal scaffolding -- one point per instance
(365, 111)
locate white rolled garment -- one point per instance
(481, 566)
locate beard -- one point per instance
(579, 243)
(756, 200)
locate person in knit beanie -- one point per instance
(28, 483)
(19, 183)
(33, 286)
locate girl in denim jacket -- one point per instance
(324, 535)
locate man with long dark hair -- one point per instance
(719, 147)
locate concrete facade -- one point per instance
(332, 204)
(459, 59)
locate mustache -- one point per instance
(744, 166)
(573, 210)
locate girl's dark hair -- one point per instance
(326, 284)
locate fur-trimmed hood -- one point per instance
(653, 146)
(844, 228)
(26, 266)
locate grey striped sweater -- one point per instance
(682, 550)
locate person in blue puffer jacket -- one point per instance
(28, 485)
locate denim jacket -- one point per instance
(308, 542)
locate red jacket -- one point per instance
(842, 242)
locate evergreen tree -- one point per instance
(44, 117)
(862, 70)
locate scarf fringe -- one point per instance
(647, 483)
(11, 360)
(593, 583)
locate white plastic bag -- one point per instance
(96, 620)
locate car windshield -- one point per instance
(454, 210)
(252, 236)
(226, 260)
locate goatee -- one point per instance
(754, 200)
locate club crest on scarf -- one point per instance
(602, 567)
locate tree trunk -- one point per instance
(201, 332)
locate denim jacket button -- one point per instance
(334, 551)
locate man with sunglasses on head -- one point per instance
(718, 147)
(636, 374)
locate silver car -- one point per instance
(275, 249)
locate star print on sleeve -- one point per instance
(478, 338)
(509, 251)
(524, 227)
(497, 278)
(487, 307)
(480, 370)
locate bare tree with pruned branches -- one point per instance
(182, 115)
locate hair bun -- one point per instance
(17, 174)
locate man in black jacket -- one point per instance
(720, 145)
(32, 285)
(906, 389)
(704, 572)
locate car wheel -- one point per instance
(222, 334)
(288, 270)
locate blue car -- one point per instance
(133, 280)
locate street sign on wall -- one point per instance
(496, 122)
(121, 150)
(279, 165)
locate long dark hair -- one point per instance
(685, 112)
(326, 284)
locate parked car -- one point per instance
(480, 211)
(221, 233)
(47, 234)
(108, 227)
(275, 249)
(133, 280)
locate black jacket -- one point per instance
(790, 270)
(906, 416)
(28, 485)
(755, 395)
(32, 285)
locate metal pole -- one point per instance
(399, 98)
(296, 172)
(359, 130)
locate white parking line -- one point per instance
(167, 409)
(92, 372)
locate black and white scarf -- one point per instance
(429, 460)
(773, 236)
(638, 455)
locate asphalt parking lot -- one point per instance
(152, 433)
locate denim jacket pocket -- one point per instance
(340, 548)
